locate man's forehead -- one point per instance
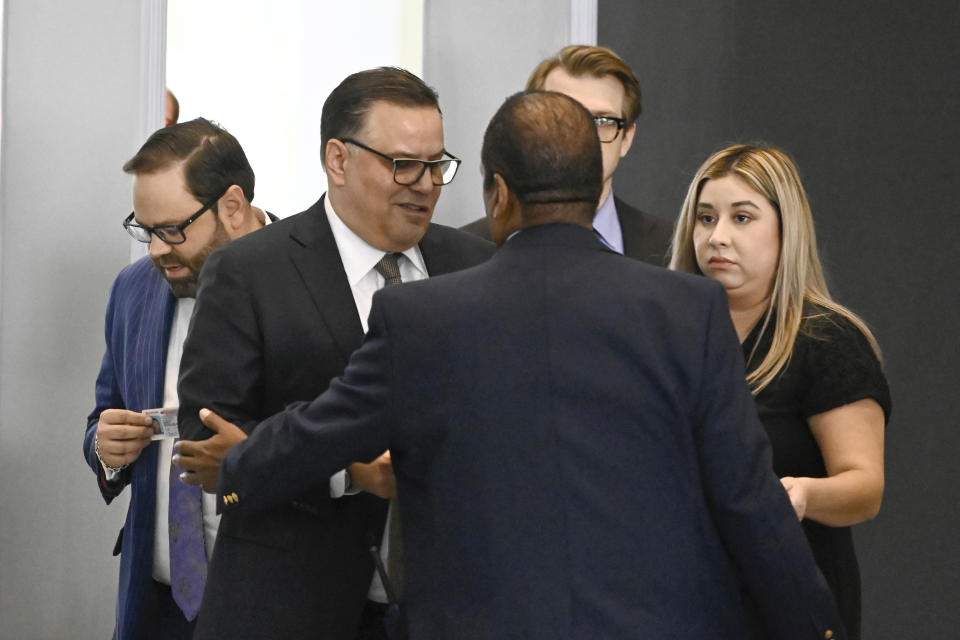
(603, 95)
(390, 116)
(162, 194)
(409, 126)
(172, 173)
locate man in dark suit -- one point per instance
(602, 82)
(584, 474)
(177, 170)
(278, 318)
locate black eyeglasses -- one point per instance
(609, 127)
(169, 233)
(408, 171)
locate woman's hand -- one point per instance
(798, 494)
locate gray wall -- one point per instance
(476, 54)
(865, 96)
(70, 120)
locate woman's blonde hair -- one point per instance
(799, 280)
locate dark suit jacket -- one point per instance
(275, 321)
(138, 321)
(645, 237)
(595, 470)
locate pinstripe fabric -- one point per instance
(138, 320)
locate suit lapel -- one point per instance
(630, 227)
(156, 305)
(641, 238)
(438, 256)
(317, 259)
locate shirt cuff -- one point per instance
(339, 486)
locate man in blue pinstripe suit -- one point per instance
(192, 189)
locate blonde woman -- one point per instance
(812, 364)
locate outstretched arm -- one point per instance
(301, 446)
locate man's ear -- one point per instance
(503, 210)
(335, 159)
(499, 197)
(231, 208)
(628, 133)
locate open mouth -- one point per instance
(174, 270)
(415, 208)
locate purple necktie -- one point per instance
(188, 557)
(389, 268)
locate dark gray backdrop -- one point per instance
(866, 97)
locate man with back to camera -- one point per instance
(602, 82)
(278, 318)
(587, 475)
(192, 187)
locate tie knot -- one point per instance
(389, 268)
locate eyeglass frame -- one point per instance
(163, 228)
(599, 121)
(423, 163)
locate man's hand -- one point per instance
(376, 478)
(201, 459)
(122, 435)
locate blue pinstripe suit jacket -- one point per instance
(139, 316)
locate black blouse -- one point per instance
(832, 365)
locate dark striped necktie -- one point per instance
(389, 268)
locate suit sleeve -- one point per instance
(107, 396)
(748, 503)
(303, 445)
(222, 364)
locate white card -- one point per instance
(164, 422)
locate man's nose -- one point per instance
(158, 247)
(425, 183)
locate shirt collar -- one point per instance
(357, 255)
(608, 225)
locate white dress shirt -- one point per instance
(607, 224)
(359, 259)
(161, 537)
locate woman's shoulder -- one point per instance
(826, 329)
(839, 360)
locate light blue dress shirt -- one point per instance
(607, 224)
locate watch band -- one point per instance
(109, 467)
